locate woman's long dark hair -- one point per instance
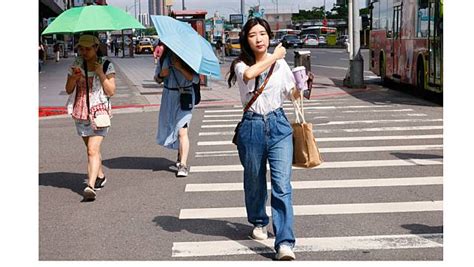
(246, 53)
(167, 51)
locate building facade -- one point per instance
(278, 20)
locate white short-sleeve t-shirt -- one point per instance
(276, 91)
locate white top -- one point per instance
(276, 91)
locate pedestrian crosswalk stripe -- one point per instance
(318, 130)
(343, 139)
(332, 165)
(308, 244)
(225, 153)
(351, 183)
(237, 119)
(382, 129)
(373, 110)
(306, 108)
(315, 112)
(335, 122)
(325, 209)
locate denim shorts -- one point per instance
(84, 129)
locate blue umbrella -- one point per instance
(186, 43)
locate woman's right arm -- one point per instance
(72, 81)
(259, 67)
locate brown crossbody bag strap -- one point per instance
(260, 90)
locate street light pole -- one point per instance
(355, 76)
(135, 7)
(140, 11)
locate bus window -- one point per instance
(376, 16)
(422, 19)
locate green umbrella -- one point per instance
(92, 18)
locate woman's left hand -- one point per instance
(296, 93)
(98, 68)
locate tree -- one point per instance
(314, 13)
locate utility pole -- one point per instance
(140, 11)
(135, 8)
(355, 76)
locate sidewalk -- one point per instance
(138, 92)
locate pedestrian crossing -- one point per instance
(382, 169)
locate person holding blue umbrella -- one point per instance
(177, 104)
(186, 54)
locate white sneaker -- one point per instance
(285, 253)
(183, 170)
(259, 233)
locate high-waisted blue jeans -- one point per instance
(263, 138)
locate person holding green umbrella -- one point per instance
(92, 18)
(93, 80)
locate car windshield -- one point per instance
(291, 37)
(233, 41)
(145, 43)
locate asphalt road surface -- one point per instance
(377, 196)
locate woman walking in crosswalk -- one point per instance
(265, 134)
(177, 105)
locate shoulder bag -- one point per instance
(98, 114)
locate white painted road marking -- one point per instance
(332, 165)
(315, 244)
(306, 108)
(342, 139)
(350, 130)
(312, 210)
(336, 122)
(352, 183)
(225, 153)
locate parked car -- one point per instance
(232, 47)
(322, 40)
(342, 40)
(291, 40)
(144, 47)
(310, 40)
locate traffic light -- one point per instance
(365, 21)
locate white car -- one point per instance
(310, 40)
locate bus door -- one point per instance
(435, 48)
(396, 39)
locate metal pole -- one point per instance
(184, 8)
(355, 76)
(140, 11)
(242, 7)
(351, 31)
(356, 27)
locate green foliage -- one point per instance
(364, 11)
(340, 12)
(150, 31)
